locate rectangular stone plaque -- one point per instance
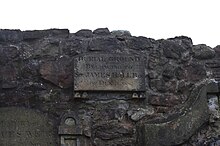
(109, 72)
(25, 127)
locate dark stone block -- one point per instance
(108, 44)
(167, 100)
(9, 54)
(214, 63)
(46, 48)
(121, 33)
(184, 41)
(84, 33)
(203, 52)
(212, 87)
(172, 49)
(58, 72)
(153, 74)
(72, 47)
(30, 68)
(158, 85)
(195, 72)
(112, 130)
(180, 73)
(101, 31)
(140, 43)
(169, 71)
(10, 35)
(38, 34)
(217, 51)
(9, 76)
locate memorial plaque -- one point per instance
(109, 72)
(24, 127)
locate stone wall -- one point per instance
(174, 100)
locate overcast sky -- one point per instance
(198, 19)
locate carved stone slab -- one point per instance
(24, 127)
(109, 72)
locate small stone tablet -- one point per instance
(25, 127)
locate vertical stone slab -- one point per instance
(25, 127)
(177, 130)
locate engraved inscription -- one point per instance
(118, 72)
(23, 127)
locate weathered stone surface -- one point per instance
(101, 31)
(195, 72)
(38, 34)
(215, 63)
(9, 75)
(109, 72)
(8, 53)
(74, 46)
(203, 52)
(10, 35)
(160, 106)
(172, 49)
(58, 72)
(138, 114)
(140, 43)
(165, 100)
(107, 44)
(158, 84)
(168, 72)
(184, 41)
(217, 50)
(212, 87)
(112, 130)
(84, 33)
(25, 127)
(213, 66)
(120, 33)
(178, 130)
(180, 73)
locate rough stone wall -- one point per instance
(182, 90)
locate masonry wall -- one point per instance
(181, 90)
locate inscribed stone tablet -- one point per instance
(24, 127)
(109, 72)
